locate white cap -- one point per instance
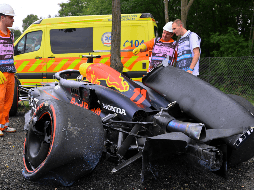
(6, 10)
(168, 27)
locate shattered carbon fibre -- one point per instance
(71, 124)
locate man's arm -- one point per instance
(144, 47)
(194, 59)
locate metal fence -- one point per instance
(232, 75)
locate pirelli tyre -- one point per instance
(14, 107)
(63, 143)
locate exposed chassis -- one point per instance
(107, 115)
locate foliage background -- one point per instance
(226, 28)
(226, 74)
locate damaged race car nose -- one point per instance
(171, 113)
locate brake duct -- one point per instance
(195, 131)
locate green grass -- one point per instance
(252, 102)
(23, 106)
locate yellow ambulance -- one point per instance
(54, 44)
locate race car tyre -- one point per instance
(63, 143)
(242, 101)
(14, 107)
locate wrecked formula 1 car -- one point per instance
(72, 122)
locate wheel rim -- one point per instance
(38, 142)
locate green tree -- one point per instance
(209, 17)
(231, 44)
(17, 33)
(73, 8)
(85, 7)
(30, 19)
(98, 7)
(103, 7)
(156, 8)
(204, 17)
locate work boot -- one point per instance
(1, 133)
(10, 130)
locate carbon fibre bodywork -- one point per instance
(170, 112)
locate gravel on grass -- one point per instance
(173, 174)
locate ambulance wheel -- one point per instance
(243, 102)
(14, 107)
(64, 143)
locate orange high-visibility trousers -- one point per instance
(6, 97)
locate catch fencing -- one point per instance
(232, 75)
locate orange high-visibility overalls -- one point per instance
(8, 69)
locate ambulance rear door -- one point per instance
(133, 35)
(102, 41)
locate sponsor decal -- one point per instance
(244, 136)
(8, 56)
(118, 83)
(106, 39)
(96, 111)
(114, 109)
(112, 77)
(85, 105)
(138, 92)
(133, 43)
(127, 17)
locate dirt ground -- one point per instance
(173, 174)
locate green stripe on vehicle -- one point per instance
(48, 65)
(22, 66)
(104, 60)
(130, 61)
(74, 63)
(59, 66)
(35, 65)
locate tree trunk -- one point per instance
(185, 7)
(252, 30)
(115, 58)
(166, 11)
(251, 49)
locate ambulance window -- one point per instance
(71, 40)
(30, 42)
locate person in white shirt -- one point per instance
(189, 50)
